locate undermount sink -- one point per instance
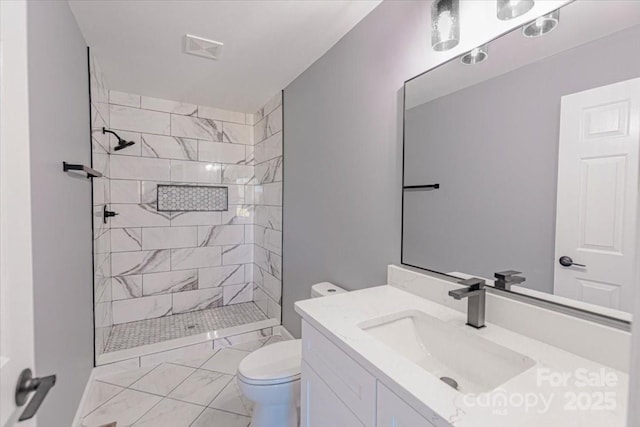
(448, 351)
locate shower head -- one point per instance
(121, 142)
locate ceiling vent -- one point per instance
(202, 47)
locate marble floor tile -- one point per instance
(125, 379)
(231, 399)
(163, 379)
(215, 418)
(250, 345)
(124, 409)
(195, 361)
(201, 387)
(225, 361)
(170, 413)
(98, 395)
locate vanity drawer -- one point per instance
(348, 380)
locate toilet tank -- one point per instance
(325, 289)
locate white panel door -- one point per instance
(16, 284)
(597, 201)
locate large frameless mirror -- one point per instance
(521, 160)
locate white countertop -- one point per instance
(338, 316)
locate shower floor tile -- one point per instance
(151, 331)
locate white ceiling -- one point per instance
(267, 44)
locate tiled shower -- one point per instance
(202, 266)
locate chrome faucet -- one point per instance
(507, 278)
(476, 305)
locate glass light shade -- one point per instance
(509, 9)
(476, 55)
(542, 25)
(445, 24)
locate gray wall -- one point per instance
(342, 155)
(61, 207)
(494, 149)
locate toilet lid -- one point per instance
(272, 364)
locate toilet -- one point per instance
(270, 376)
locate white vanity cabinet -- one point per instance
(394, 412)
(338, 392)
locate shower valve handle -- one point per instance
(107, 214)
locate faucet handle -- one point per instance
(509, 276)
(474, 283)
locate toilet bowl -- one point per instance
(270, 377)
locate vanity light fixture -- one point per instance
(542, 25)
(509, 9)
(476, 55)
(445, 24)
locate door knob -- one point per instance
(26, 385)
(566, 261)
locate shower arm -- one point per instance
(105, 130)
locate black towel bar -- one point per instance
(418, 187)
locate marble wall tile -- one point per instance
(213, 277)
(196, 218)
(122, 98)
(149, 191)
(269, 171)
(199, 172)
(237, 254)
(139, 168)
(268, 238)
(126, 239)
(125, 191)
(237, 174)
(274, 122)
(138, 120)
(128, 263)
(237, 134)
(103, 314)
(269, 217)
(250, 158)
(169, 147)
(126, 287)
(169, 237)
(268, 149)
(248, 272)
(101, 163)
(221, 152)
(183, 259)
(249, 234)
(167, 106)
(272, 194)
(221, 115)
(102, 291)
(140, 215)
(196, 128)
(236, 294)
(273, 103)
(102, 243)
(197, 300)
(130, 310)
(236, 194)
(169, 282)
(268, 261)
(239, 214)
(217, 235)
